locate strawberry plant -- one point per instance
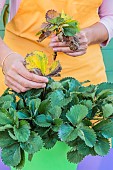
(61, 25)
(66, 110)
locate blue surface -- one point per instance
(97, 162)
(2, 166)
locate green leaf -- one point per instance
(69, 31)
(104, 86)
(65, 131)
(107, 110)
(57, 20)
(11, 134)
(57, 124)
(104, 127)
(72, 23)
(22, 132)
(102, 146)
(50, 140)
(33, 145)
(87, 103)
(11, 155)
(88, 91)
(6, 98)
(55, 112)
(5, 117)
(34, 105)
(56, 97)
(44, 106)
(22, 162)
(20, 104)
(104, 93)
(24, 114)
(88, 135)
(84, 149)
(42, 120)
(73, 135)
(8, 105)
(77, 113)
(5, 139)
(56, 85)
(74, 157)
(66, 101)
(30, 94)
(3, 128)
(71, 84)
(87, 122)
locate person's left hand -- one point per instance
(63, 47)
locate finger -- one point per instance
(54, 39)
(82, 48)
(62, 49)
(82, 38)
(26, 74)
(25, 82)
(53, 35)
(15, 84)
(83, 41)
(75, 54)
(58, 44)
(12, 87)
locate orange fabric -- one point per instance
(20, 36)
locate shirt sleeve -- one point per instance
(106, 18)
(2, 3)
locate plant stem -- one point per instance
(54, 56)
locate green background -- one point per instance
(54, 159)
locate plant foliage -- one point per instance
(61, 25)
(64, 111)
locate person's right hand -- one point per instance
(18, 78)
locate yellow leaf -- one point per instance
(37, 60)
(65, 16)
(55, 68)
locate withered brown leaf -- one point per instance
(45, 25)
(55, 69)
(44, 35)
(51, 14)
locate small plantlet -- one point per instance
(62, 26)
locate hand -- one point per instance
(18, 78)
(63, 47)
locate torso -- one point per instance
(23, 27)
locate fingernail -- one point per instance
(50, 44)
(46, 80)
(44, 85)
(52, 40)
(54, 49)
